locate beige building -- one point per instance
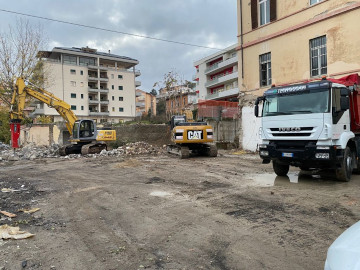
(97, 85)
(145, 102)
(292, 41)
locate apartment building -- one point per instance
(97, 85)
(145, 103)
(180, 99)
(217, 76)
(292, 41)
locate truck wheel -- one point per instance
(344, 172)
(280, 169)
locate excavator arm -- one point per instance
(22, 91)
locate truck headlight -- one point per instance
(322, 155)
(264, 153)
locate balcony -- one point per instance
(137, 73)
(93, 101)
(96, 90)
(104, 79)
(221, 80)
(221, 65)
(140, 104)
(94, 113)
(137, 83)
(194, 77)
(223, 94)
(92, 78)
(104, 102)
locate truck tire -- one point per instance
(280, 169)
(344, 172)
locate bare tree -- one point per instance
(18, 55)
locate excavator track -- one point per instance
(212, 151)
(93, 148)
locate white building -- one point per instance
(217, 76)
(99, 86)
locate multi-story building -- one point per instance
(179, 99)
(145, 103)
(97, 85)
(217, 76)
(291, 41)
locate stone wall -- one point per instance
(249, 129)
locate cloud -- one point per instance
(204, 22)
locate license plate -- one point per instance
(288, 154)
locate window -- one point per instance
(265, 69)
(262, 12)
(69, 59)
(73, 107)
(113, 98)
(81, 72)
(112, 76)
(121, 99)
(120, 87)
(82, 108)
(184, 100)
(264, 6)
(312, 2)
(120, 77)
(84, 61)
(72, 71)
(73, 95)
(82, 96)
(318, 55)
(121, 109)
(72, 83)
(113, 109)
(112, 87)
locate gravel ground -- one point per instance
(160, 212)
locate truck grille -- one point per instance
(292, 132)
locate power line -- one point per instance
(108, 30)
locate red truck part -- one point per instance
(15, 134)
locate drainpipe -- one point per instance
(241, 41)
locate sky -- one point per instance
(210, 23)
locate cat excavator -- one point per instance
(85, 139)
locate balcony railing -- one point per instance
(93, 101)
(94, 113)
(140, 104)
(226, 63)
(96, 90)
(224, 93)
(137, 83)
(92, 78)
(222, 79)
(137, 73)
(104, 102)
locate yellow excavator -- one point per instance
(191, 138)
(85, 139)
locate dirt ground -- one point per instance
(160, 212)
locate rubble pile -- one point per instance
(130, 149)
(31, 152)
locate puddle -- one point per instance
(293, 178)
(159, 193)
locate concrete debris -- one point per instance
(31, 152)
(8, 232)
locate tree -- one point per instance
(19, 49)
(161, 107)
(153, 92)
(4, 126)
(170, 80)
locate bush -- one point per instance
(5, 134)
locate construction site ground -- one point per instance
(161, 212)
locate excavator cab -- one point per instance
(84, 130)
(176, 119)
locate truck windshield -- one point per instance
(314, 101)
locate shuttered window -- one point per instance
(266, 10)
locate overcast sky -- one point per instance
(209, 23)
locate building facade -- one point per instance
(291, 41)
(97, 85)
(179, 99)
(145, 103)
(217, 76)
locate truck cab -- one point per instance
(311, 126)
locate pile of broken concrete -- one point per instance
(31, 152)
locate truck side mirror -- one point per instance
(256, 111)
(344, 103)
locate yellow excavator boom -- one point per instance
(19, 96)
